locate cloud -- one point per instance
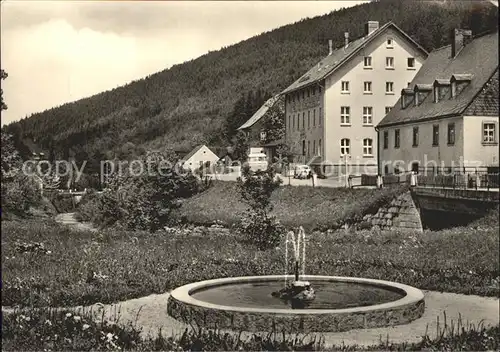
(60, 51)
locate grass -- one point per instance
(46, 264)
(318, 208)
(66, 331)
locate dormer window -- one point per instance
(407, 96)
(441, 89)
(421, 93)
(459, 82)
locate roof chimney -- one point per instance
(330, 47)
(346, 36)
(459, 39)
(370, 27)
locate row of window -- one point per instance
(489, 135)
(316, 149)
(389, 63)
(345, 147)
(304, 93)
(367, 87)
(296, 118)
(345, 117)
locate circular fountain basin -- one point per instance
(341, 304)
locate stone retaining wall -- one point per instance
(400, 214)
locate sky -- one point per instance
(60, 51)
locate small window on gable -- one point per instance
(390, 43)
(411, 62)
(368, 61)
(389, 62)
(345, 86)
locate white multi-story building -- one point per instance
(332, 109)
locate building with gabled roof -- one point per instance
(198, 157)
(332, 109)
(255, 126)
(448, 117)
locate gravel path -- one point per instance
(150, 313)
(70, 220)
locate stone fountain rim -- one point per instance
(412, 294)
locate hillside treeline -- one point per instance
(194, 102)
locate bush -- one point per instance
(257, 226)
(19, 194)
(143, 201)
(261, 230)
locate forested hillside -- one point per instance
(189, 103)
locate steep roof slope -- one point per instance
(260, 113)
(479, 59)
(341, 55)
(486, 102)
(192, 152)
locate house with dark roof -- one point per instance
(447, 119)
(332, 109)
(255, 127)
(198, 157)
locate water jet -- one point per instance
(266, 303)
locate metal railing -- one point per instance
(469, 180)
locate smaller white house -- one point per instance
(198, 157)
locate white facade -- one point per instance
(337, 115)
(199, 158)
(455, 142)
(351, 115)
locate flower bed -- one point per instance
(48, 330)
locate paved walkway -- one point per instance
(150, 313)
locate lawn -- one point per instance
(45, 264)
(318, 208)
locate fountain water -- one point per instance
(299, 293)
(342, 303)
(301, 239)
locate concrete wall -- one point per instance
(475, 151)
(425, 153)
(356, 74)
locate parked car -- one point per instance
(302, 172)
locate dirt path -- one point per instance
(70, 220)
(150, 313)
